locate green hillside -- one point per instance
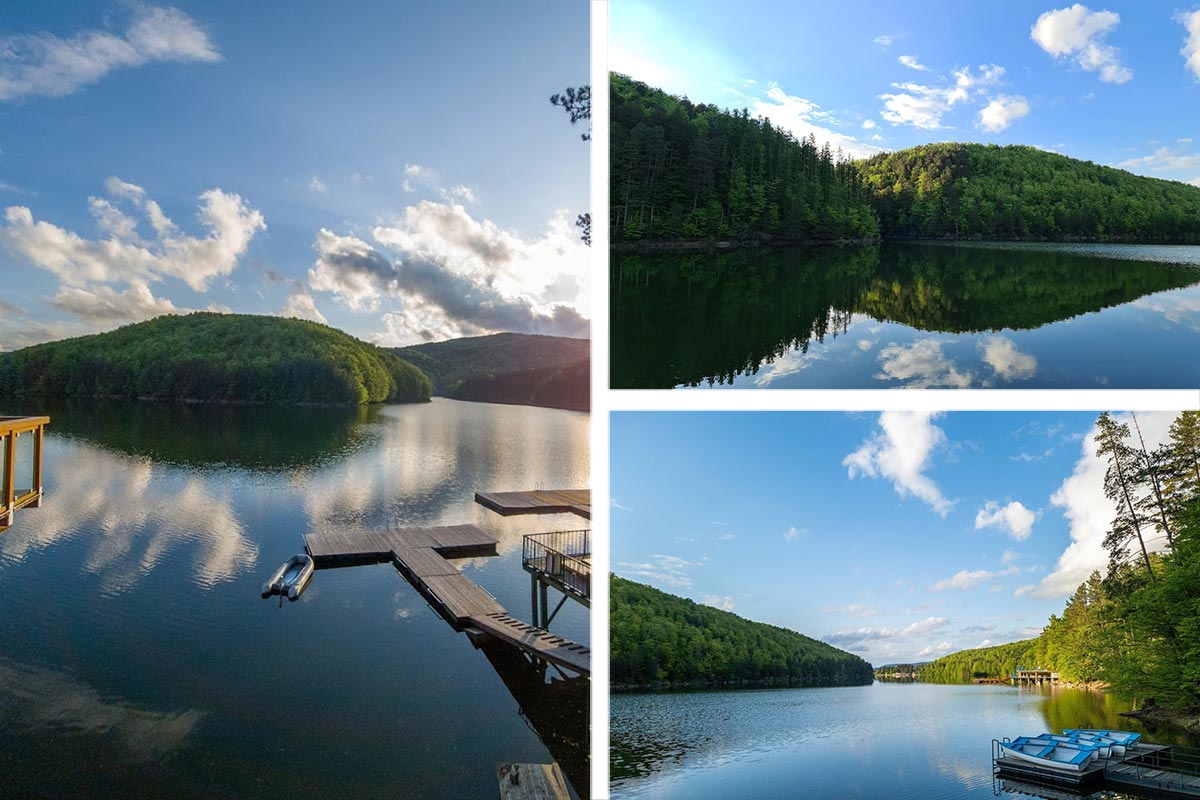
(659, 639)
(215, 358)
(1017, 192)
(984, 662)
(519, 368)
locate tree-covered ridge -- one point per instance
(683, 170)
(1137, 627)
(658, 638)
(1018, 192)
(520, 368)
(215, 358)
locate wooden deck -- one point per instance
(1143, 767)
(419, 554)
(536, 641)
(532, 782)
(549, 501)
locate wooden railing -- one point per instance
(562, 556)
(11, 429)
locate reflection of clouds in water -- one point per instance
(921, 365)
(788, 364)
(36, 699)
(1180, 308)
(142, 511)
(1009, 363)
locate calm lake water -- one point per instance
(880, 742)
(910, 316)
(138, 659)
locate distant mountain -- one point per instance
(659, 640)
(216, 358)
(519, 368)
(1017, 192)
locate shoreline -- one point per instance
(666, 687)
(701, 245)
(1185, 719)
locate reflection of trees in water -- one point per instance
(252, 437)
(710, 317)
(556, 709)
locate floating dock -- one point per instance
(532, 782)
(1169, 771)
(420, 555)
(546, 501)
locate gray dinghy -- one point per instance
(291, 578)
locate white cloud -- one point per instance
(935, 651)
(1002, 111)
(1014, 518)
(103, 305)
(666, 570)
(300, 305)
(317, 185)
(458, 276)
(1009, 363)
(416, 176)
(868, 124)
(963, 580)
(901, 452)
(1009, 557)
(725, 603)
(1088, 512)
(852, 610)
(792, 534)
(912, 63)
(1194, 181)
(884, 41)
(1165, 159)
(460, 192)
(361, 177)
(1190, 20)
(124, 256)
(46, 65)
(800, 117)
(924, 627)
(921, 365)
(924, 106)
(1078, 33)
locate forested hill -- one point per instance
(1016, 192)
(660, 640)
(999, 661)
(685, 171)
(525, 369)
(216, 358)
(681, 171)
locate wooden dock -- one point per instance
(532, 782)
(420, 555)
(1166, 770)
(549, 501)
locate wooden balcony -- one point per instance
(20, 483)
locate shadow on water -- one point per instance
(250, 437)
(695, 318)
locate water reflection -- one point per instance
(38, 700)
(756, 317)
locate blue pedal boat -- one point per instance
(1125, 738)
(1068, 756)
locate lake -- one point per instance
(908, 316)
(885, 741)
(139, 660)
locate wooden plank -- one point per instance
(545, 501)
(409, 537)
(461, 597)
(462, 539)
(532, 782)
(536, 641)
(424, 562)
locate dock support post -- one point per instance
(38, 436)
(533, 597)
(545, 601)
(6, 484)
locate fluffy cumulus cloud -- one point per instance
(802, 117)
(901, 451)
(1088, 512)
(1002, 111)
(923, 106)
(446, 274)
(1191, 43)
(44, 64)
(922, 365)
(1013, 518)
(300, 305)
(1078, 33)
(723, 602)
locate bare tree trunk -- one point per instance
(1162, 509)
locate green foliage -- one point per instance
(659, 638)
(685, 171)
(516, 368)
(1017, 192)
(215, 358)
(981, 662)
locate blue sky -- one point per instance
(393, 168)
(1116, 83)
(898, 536)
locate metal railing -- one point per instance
(11, 428)
(562, 556)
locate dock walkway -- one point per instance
(420, 555)
(546, 501)
(1168, 770)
